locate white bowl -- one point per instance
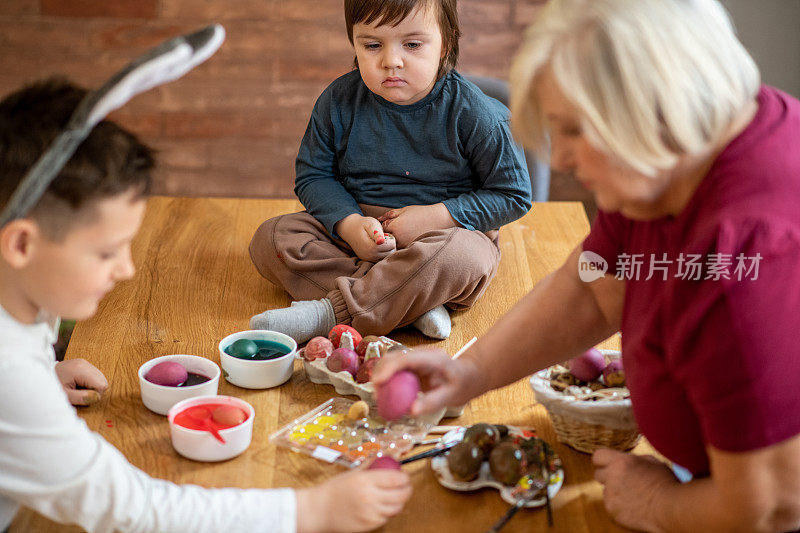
(252, 374)
(202, 445)
(159, 398)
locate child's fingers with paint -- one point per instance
(376, 235)
(374, 230)
(82, 381)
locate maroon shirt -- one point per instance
(710, 360)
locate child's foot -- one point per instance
(301, 322)
(435, 323)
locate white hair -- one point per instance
(651, 79)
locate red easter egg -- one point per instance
(335, 334)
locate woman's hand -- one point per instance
(75, 373)
(359, 500)
(631, 484)
(747, 491)
(446, 382)
(408, 223)
(366, 237)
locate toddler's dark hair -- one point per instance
(110, 161)
(394, 11)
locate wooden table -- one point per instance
(195, 284)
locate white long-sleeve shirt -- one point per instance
(51, 462)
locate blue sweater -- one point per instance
(453, 146)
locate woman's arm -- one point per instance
(750, 492)
(560, 318)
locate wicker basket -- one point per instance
(587, 425)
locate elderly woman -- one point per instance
(656, 108)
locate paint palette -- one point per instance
(332, 434)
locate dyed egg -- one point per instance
(464, 461)
(485, 436)
(243, 348)
(343, 360)
(588, 366)
(614, 374)
(168, 374)
(335, 334)
(318, 348)
(364, 372)
(228, 415)
(359, 409)
(384, 462)
(361, 348)
(397, 394)
(507, 463)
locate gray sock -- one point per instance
(435, 323)
(301, 322)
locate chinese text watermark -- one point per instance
(693, 267)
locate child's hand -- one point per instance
(75, 373)
(408, 223)
(359, 500)
(366, 237)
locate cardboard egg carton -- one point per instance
(346, 385)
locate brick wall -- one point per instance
(232, 126)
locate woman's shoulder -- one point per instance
(754, 185)
(767, 146)
(730, 234)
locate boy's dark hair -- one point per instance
(110, 161)
(394, 11)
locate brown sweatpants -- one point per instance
(452, 267)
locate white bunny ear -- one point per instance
(168, 61)
(164, 63)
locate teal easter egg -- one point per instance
(243, 348)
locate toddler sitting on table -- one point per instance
(405, 147)
(60, 259)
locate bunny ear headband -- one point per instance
(166, 62)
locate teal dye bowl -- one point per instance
(257, 373)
